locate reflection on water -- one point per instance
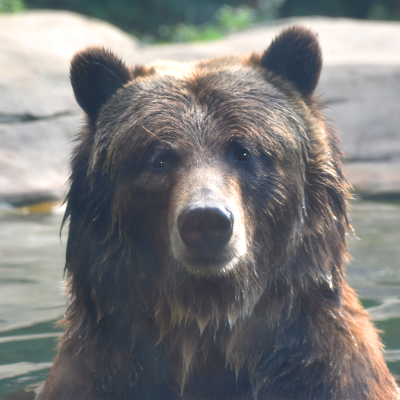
(31, 271)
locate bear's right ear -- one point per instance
(95, 75)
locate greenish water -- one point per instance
(31, 299)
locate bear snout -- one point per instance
(207, 233)
(206, 226)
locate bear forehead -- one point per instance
(238, 99)
(226, 87)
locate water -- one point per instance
(375, 270)
(31, 300)
(31, 272)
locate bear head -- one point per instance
(198, 188)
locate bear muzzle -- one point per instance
(206, 229)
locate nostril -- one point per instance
(193, 226)
(205, 225)
(219, 223)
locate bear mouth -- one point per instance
(208, 264)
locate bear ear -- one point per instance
(95, 75)
(296, 56)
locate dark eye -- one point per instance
(161, 162)
(240, 153)
(243, 155)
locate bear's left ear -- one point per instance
(296, 56)
(96, 74)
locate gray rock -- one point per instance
(35, 51)
(363, 101)
(34, 158)
(38, 112)
(360, 84)
(374, 179)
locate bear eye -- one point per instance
(243, 155)
(240, 153)
(160, 162)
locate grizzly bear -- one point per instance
(207, 236)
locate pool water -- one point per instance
(31, 289)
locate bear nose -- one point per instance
(205, 225)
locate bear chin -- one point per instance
(213, 266)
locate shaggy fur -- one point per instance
(207, 236)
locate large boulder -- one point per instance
(360, 85)
(38, 112)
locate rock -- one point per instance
(360, 85)
(374, 179)
(34, 158)
(35, 51)
(38, 112)
(363, 103)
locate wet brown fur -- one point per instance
(279, 322)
